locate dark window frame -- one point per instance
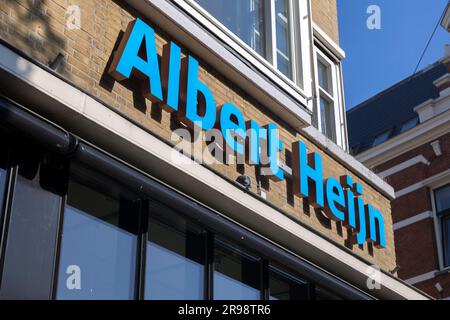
(445, 239)
(5, 209)
(408, 122)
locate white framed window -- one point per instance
(329, 109)
(284, 38)
(273, 35)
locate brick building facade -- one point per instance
(56, 61)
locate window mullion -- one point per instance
(271, 33)
(209, 267)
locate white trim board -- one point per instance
(413, 219)
(402, 166)
(421, 278)
(81, 114)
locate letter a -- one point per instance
(127, 58)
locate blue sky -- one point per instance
(377, 59)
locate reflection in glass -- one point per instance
(245, 18)
(175, 257)
(284, 286)
(98, 247)
(381, 138)
(32, 230)
(323, 73)
(284, 60)
(409, 124)
(237, 274)
(327, 119)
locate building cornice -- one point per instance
(329, 43)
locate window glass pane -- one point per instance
(354, 149)
(245, 18)
(98, 242)
(2, 188)
(381, 138)
(284, 286)
(324, 76)
(442, 197)
(409, 124)
(283, 37)
(327, 119)
(446, 239)
(236, 273)
(32, 232)
(175, 257)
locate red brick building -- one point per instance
(407, 143)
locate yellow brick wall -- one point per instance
(325, 16)
(38, 28)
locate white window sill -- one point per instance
(442, 271)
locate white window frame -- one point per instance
(438, 226)
(335, 98)
(299, 87)
(272, 51)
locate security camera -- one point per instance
(244, 181)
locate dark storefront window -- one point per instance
(99, 241)
(237, 274)
(175, 257)
(442, 202)
(282, 26)
(3, 172)
(31, 231)
(284, 286)
(87, 226)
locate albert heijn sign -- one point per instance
(172, 81)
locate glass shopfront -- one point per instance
(79, 231)
(175, 256)
(99, 238)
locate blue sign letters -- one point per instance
(176, 86)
